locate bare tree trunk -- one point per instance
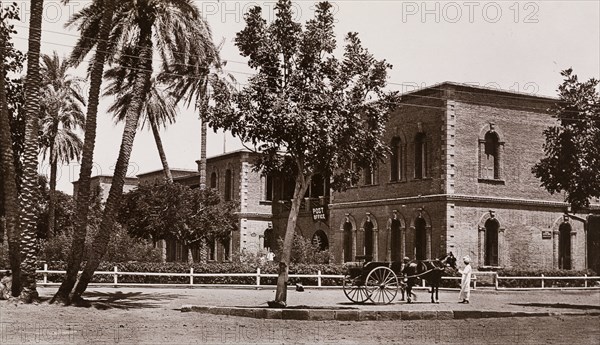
(28, 218)
(52, 201)
(9, 181)
(87, 157)
(302, 184)
(190, 255)
(161, 150)
(102, 238)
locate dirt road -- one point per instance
(153, 317)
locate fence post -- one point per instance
(258, 276)
(423, 283)
(319, 278)
(496, 280)
(542, 281)
(45, 273)
(191, 276)
(585, 280)
(116, 276)
(474, 282)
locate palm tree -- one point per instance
(178, 29)
(61, 114)
(30, 156)
(9, 178)
(208, 75)
(91, 36)
(158, 108)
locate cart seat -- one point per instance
(365, 258)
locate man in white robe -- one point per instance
(465, 283)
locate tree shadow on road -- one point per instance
(559, 305)
(126, 300)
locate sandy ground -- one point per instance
(152, 316)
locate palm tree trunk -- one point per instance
(203, 154)
(203, 244)
(161, 150)
(87, 157)
(9, 181)
(52, 201)
(203, 251)
(30, 156)
(102, 238)
(302, 183)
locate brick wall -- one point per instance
(520, 239)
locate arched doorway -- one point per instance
(269, 241)
(420, 239)
(368, 239)
(395, 238)
(491, 242)
(593, 243)
(348, 242)
(564, 246)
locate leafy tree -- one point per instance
(306, 111)
(11, 60)
(572, 149)
(61, 115)
(177, 212)
(205, 74)
(93, 35)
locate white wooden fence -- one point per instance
(115, 273)
(595, 280)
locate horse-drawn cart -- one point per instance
(376, 281)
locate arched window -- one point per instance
(228, 185)
(213, 180)
(369, 176)
(395, 238)
(396, 160)
(369, 239)
(420, 239)
(420, 156)
(491, 242)
(320, 239)
(490, 158)
(348, 242)
(226, 242)
(212, 249)
(564, 246)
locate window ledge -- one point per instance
(396, 182)
(265, 202)
(491, 181)
(422, 179)
(491, 267)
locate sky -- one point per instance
(512, 45)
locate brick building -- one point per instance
(459, 179)
(100, 185)
(232, 175)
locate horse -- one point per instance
(429, 270)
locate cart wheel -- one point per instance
(355, 290)
(382, 284)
